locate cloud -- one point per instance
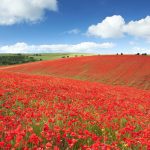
(140, 28)
(17, 11)
(74, 31)
(85, 47)
(115, 26)
(110, 27)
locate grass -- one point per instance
(51, 56)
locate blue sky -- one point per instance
(99, 26)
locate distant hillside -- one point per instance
(115, 70)
(44, 56)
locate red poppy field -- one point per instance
(128, 70)
(43, 112)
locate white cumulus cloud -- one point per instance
(115, 26)
(16, 11)
(85, 47)
(140, 28)
(110, 27)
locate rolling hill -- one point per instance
(47, 112)
(126, 70)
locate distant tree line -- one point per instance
(120, 54)
(141, 54)
(37, 54)
(72, 56)
(136, 54)
(15, 59)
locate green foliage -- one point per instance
(95, 129)
(11, 59)
(15, 59)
